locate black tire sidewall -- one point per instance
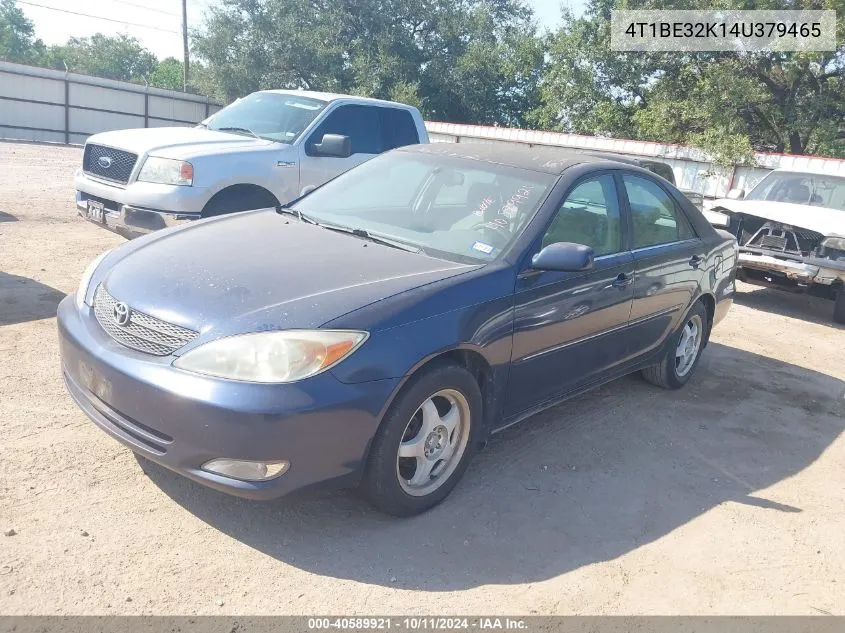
(674, 380)
(381, 484)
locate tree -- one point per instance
(474, 61)
(726, 103)
(118, 57)
(167, 74)
(17, 36)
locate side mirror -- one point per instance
(334, 145)
(563, 256)
(736, 194)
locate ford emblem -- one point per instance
(121, 313)
(104, 162)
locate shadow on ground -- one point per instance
(23, 299)
(7, 217)
(804, 306)
(587, 481)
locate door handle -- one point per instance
(695, 261)
(622, 280)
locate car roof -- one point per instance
(545, 159)
(335, 96)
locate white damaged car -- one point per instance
(791, 232)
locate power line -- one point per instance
(97, 17)
(146, 8)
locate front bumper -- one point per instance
(802, 273)
(139, 207)
(322, 426)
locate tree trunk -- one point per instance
(796, 145)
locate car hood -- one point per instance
(262, 271)
(175, 142)
(819, 219)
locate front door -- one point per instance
(571, 326)
(360, 123)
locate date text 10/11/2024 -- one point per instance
(417, 623)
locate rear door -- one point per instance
(669, 260)
(570, 326)
(362, 124)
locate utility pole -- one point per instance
(186, 62)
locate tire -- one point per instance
(839, 306)
(443, 453)
(673, 372)
(238, 198)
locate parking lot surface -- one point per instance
(727, 497)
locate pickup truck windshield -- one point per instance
(453, 208)
(801, 188)
(268, 115)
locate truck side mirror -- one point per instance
(334, 145)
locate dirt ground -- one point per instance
(727, 497)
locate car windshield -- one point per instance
(797, 188)
(268, 115)
(457, 209)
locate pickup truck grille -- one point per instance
(108, 163)
(141, 331)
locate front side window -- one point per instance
(455, 208)
(360, 123)
(797, 188)
(589, 216)
(268, 115)
(656, 218)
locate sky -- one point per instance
(157, 23)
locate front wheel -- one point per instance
(425, 442)
(682, 351)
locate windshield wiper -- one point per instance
(373, 237)
(239, 130)
(299, 215)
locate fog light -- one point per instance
(246, 470)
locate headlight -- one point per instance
(836, 243)
(86, 279)
(166, 171)
(272, 357)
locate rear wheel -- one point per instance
(425, 442)
(682, 351)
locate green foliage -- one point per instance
(474, 61)
(17, 36)
(725, 103)
(116, 57)
(168, 74)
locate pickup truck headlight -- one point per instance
(166, 171)
(272, 357)
(85, 281)
(835, 243)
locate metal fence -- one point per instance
(39, 104)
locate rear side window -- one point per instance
(398, 128)
(656, 217)
(360, 123)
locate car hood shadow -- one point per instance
(587, 481)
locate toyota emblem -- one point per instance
(121, 313)
(104, 162)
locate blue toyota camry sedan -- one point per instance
(375, 332)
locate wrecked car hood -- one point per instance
(819, 219)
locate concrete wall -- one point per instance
(39, 104)
(693, 169)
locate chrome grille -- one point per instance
(120, 163)
(142, 332)
(775, 242)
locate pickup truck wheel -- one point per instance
(839, 305)
(239, 198)
(682, 351)
(425, 441)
